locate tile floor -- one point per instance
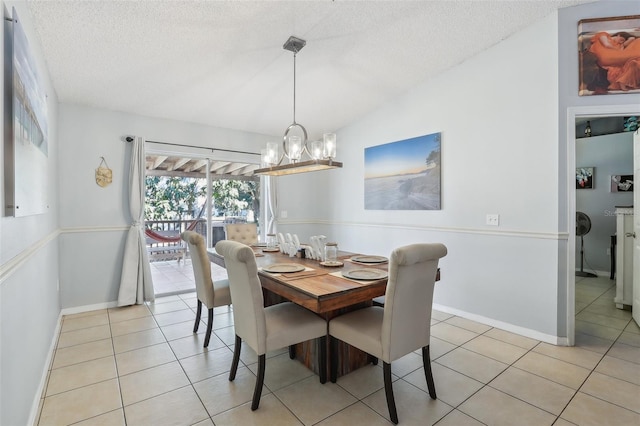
(172, 277)
(142, 365)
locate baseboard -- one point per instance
(35, 406)
(87, 308)
(522, 331)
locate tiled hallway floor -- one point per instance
(142, 365)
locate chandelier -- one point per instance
(298, 155)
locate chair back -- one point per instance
(246, 233)
(201, 267)
(408, 299)
(246, 293)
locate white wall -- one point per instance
(94, 220)
(490, 164)
(29, 307)
(610, 155)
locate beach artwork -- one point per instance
(403, 175)
(30, 129)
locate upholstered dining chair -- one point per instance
(403, 325)
(210, 293)
(265, 329)
(246, 233)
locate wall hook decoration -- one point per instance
(104, 175)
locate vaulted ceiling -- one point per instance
(221, 63)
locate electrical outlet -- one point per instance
(283, 214)
(493, 219)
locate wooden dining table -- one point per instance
(321, 289)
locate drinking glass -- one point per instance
(271, 241)
(331, 252)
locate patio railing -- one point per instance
(170, 246)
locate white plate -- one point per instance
(332, 263)
(369, 259)
(270, 250)
(283, 268)
(365, 274)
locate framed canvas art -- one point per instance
(609, 55)
(622, 183)
(26, 144)
(403, 175)
(584, 177)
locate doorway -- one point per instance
(590, 304)
(190, 192)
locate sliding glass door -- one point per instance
(188, 192)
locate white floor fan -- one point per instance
(583, 226)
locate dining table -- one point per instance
(328, 289)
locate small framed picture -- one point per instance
(584, 177)
(622, 183)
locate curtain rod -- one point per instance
(130, 139)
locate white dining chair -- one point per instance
(403, 325)
(246, 233)
(209, 293)
(270, 328)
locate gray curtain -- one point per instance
(136, 285)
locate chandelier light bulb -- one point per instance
(329, 145)
(272, 153)
(317, 150)
(295, 148)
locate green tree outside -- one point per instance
(183, 198)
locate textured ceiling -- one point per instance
(221, 63)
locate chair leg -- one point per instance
(259, 382)
(388, 390)
(322, 359)
(207, 336)
(333, 359)
(198, 313)
(372, 359)
(292, 351)
(236, 358)
(428, 374)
